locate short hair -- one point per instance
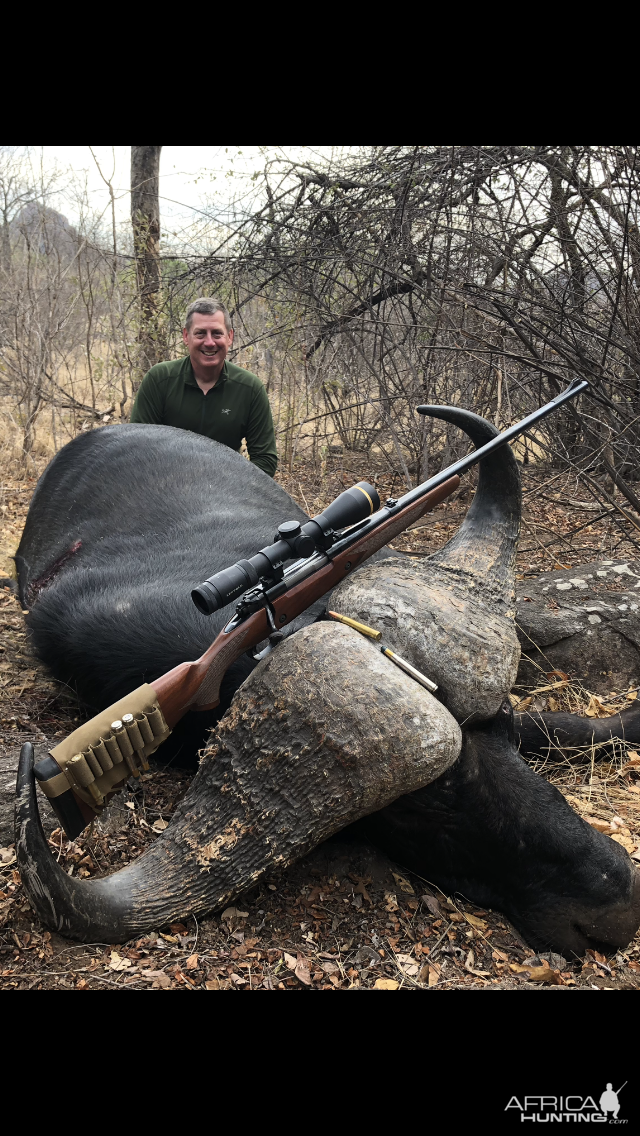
(207, 307)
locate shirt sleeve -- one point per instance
(260, 436)
(149, 401)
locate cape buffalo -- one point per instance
(126, 520)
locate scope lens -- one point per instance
(206, 599)
(224, 587)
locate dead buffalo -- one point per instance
(324, 731)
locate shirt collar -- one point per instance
(189, 377)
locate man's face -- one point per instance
(208, 342)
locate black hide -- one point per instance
(124, 522)
(493, 830)
(154, 511)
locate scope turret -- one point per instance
(292, 541)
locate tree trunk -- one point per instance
(145, 219)
(5, 247)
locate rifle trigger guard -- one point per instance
(269, 612)
(274, 639)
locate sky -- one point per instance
(194, 180)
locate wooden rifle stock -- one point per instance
(196, 685)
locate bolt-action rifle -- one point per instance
(83, 771)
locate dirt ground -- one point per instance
(345, 917)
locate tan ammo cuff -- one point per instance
(109, 755)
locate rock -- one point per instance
(585, 621)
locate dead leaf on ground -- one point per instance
(303, 971)
(230, 913)
(521, 704)
(542, 974)
(599, 825)
(160, 825)
(597, 957)
(625, 841)
(596, 709)
(119, 963)
(408, 965)
(403, 884)
(192, 962)
(470, 966)
(162, 982)
(290, 961)
(432, 905)
(386, 984)
(361, 890)
(330, 968)
(475, 922)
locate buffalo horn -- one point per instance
(324, 731)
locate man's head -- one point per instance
(208, 335)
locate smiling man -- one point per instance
(205, 393)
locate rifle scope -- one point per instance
(291, 540)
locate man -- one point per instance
(206, 394)
(609, 1101)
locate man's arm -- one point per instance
(149, 403)
(260, 436)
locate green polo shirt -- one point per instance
(236, 408)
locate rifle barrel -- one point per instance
(501, 439)
(575, 388)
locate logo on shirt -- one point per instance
(226, 412)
